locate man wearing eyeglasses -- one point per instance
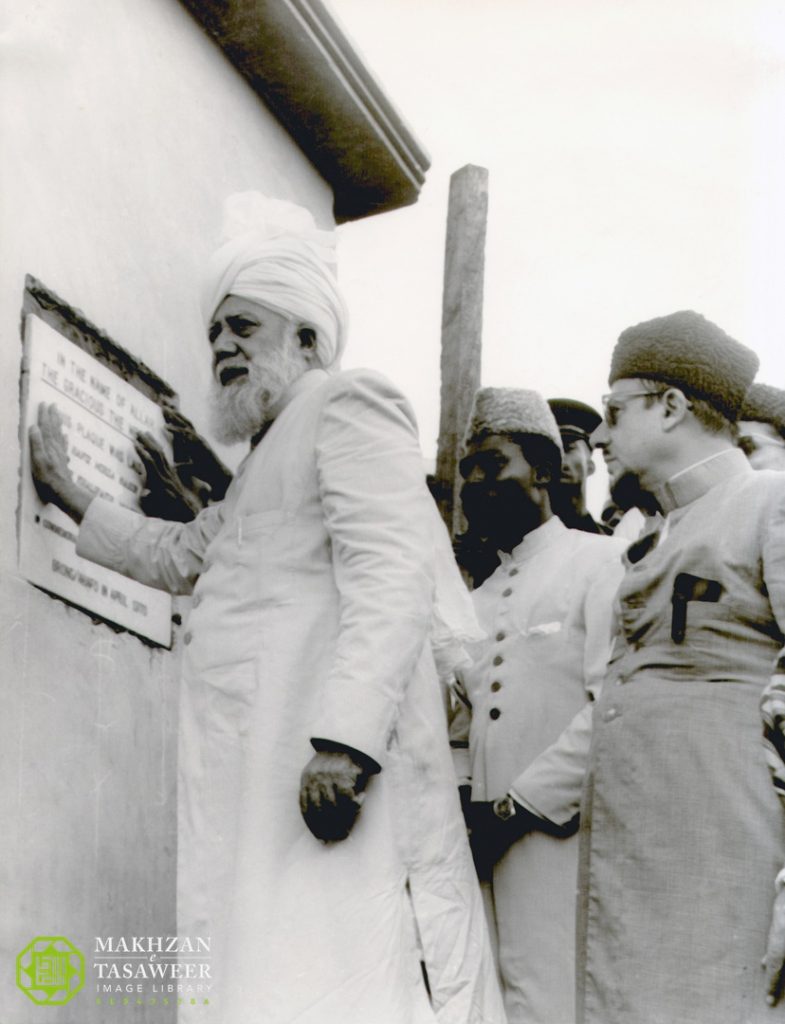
(682, 834)
(760, 432)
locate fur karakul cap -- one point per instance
(687, 350)
(511, 411)
(765, 404)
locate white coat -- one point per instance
(312, 600)
(548, 614)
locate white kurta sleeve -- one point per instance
(372, 486)
(551, 786)
(160, 554)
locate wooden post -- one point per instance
(464, 262)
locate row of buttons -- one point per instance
(495, 713)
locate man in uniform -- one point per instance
(547, 612)
(317, 803)
(576, 421)
(760, 432)
(682, 835)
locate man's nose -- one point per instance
(600, 436)
(223, 345)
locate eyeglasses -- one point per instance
(613, 404)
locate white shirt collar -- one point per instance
(694, 481)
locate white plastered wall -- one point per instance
(122, 128)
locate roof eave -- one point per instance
(298, 60)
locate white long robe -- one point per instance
(548, 614)
(313, 587)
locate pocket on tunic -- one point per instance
(543, 629)
(709, 624)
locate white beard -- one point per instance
(240, 409)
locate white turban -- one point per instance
(274, 254)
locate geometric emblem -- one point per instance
(50, 970)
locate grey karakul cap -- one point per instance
(766, 404)
(511, 411)
(687, 350)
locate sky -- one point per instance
(636, 159)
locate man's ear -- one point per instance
(307, 336)
(676, 406)
(307, 339)
(542, 476)
(590, 466)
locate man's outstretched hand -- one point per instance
(53, 480)
(332, 789)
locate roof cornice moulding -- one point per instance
(297, 59)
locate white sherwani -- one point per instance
(548, 614)
(312, 601)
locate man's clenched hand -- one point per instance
(331, 794)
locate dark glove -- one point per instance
(196, 462)
(490, 837)
(164, 495)
(332, 789)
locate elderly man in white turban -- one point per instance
(320, 837)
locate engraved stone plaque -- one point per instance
(100, 410)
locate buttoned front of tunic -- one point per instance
(682, 834)
(548, 614)
(547, 611)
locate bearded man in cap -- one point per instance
(576, 421)
(682, 834)
(547, 612)
(760, 432)
(317, 803)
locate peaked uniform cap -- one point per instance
(511, 411)
(575, 418)
(687, 350)
(765, 404)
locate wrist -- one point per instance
(326, 746)
(506, 807)
(74, 500)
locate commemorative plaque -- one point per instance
(100, 411)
